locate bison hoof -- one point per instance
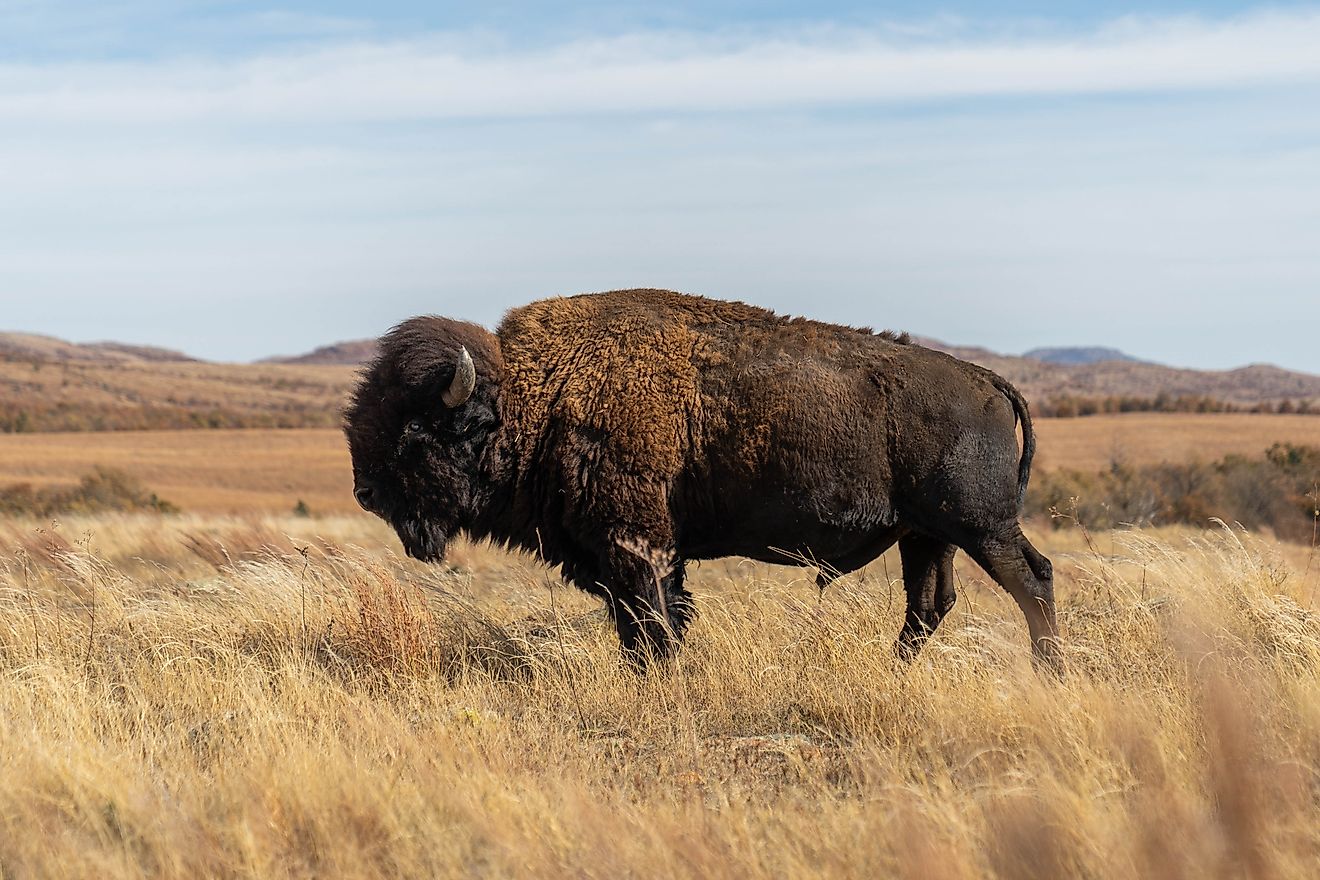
(1047, 657)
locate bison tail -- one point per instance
(1028, 435)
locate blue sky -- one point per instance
(151, 28)
(239, 179)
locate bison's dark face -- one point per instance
(417, 426)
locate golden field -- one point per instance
(199, 696)
(237, 471)
(216, 471)
(1093, 442)
(238, 692)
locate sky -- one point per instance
(240, 179)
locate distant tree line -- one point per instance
(27, 417)
(1279, 491)
(1064, 406)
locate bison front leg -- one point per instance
(647, 601)
(928, 582)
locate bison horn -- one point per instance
(465, 379)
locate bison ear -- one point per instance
(464, 381)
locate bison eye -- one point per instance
(413, 427)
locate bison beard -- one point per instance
(622, 434)
(422, 540)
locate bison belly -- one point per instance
(782, 485)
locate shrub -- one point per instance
(103, 490)
(64, 416)
(1067, 406)
(1276, 491)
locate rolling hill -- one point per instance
(357, 351)
(35, 347)
(1042, 380)
(48, 384)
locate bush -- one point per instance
(1279, 491)
(103, 490)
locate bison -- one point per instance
(599, 431)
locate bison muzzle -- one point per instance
(619, 435)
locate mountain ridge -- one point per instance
(1080, 354)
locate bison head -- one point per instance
(417, 426)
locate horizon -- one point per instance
(246, 181)
(919, 339)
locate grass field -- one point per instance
(1091, 443)
(282, 697)
(270, 695)
(271, 470)
(212, 471)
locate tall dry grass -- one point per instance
(286, 697)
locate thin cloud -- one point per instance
(172, 200)
(435, 79)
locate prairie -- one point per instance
(219, 471)
(1094, 442)
(237, 471)
(236, 691)
(48, 385)
(277, 696)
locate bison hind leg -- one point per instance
(1026, 574)
(928, 582)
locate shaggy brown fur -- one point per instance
(607, 428)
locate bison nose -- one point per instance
(365, 494)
